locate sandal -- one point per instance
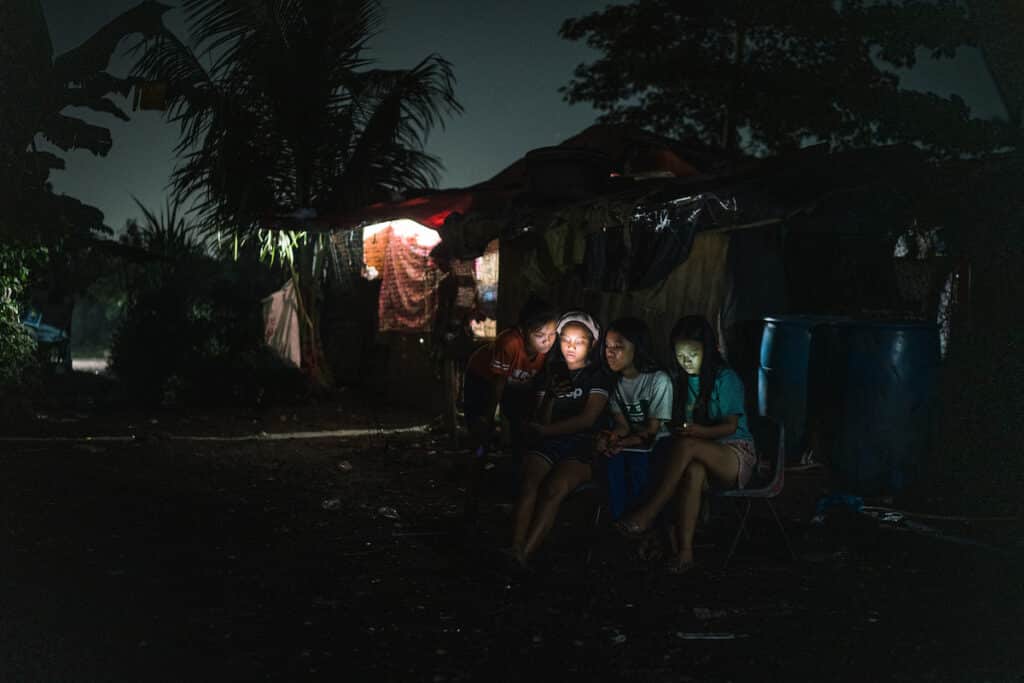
(651, 549)
(629, 529)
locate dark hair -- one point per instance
(534, 314)
(637, 332)
(697, 328)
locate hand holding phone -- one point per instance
(559, 378)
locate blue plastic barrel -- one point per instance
(783, 376)
(872, 386)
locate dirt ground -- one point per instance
(167, 559)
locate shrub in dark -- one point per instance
(192, 333)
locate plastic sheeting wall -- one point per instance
(697, 286)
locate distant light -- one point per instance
(422, 340)
(404, 227)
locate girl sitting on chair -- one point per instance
(572, 395)
(641, 407)
(712, 440)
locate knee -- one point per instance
(532, 483)
(683, 446)
(554, 490)
(694, 475)
(530, 486)
(687, 443)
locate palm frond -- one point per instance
(287, 113)
(167, 234)
(403, 106)
(192, 94)
(78, 64)
(217, 27)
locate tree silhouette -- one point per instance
(37, 89)
(1000, 23)
(767, 75)
(279, 110)
(38, 227)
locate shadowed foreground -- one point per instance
(161, 559)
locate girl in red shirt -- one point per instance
(501, 373)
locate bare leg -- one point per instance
(719, 460)
(559, 484)
(688, 509)
(678, 459)
(535, 469)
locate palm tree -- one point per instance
(279, 110)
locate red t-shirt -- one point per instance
(506, 357)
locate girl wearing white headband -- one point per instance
(572, 396)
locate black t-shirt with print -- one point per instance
(591, 379)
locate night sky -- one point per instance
(508, 60)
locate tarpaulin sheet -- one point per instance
(281, 324)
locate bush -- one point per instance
(98, 312)
(17, 346)
(190, 322)
(17, 349)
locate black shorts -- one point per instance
(556, 449)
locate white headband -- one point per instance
(580, 318)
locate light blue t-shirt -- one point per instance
(726, 399)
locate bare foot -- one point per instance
(681, 563)
(516, 556)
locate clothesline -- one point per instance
(747, 226)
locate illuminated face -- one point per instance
(690, 356)
(618, 351)
(541, 339)
(575, 344)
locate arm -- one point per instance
(502, 359)
(481, 431)
(660, 412)
(621, 427)
(643, 437)
(607, 441)
(729, 389)
(547, 392)
(497, 383)
(711, 432)
(592, 410)
(544, 406)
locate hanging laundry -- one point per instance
(408, 292)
